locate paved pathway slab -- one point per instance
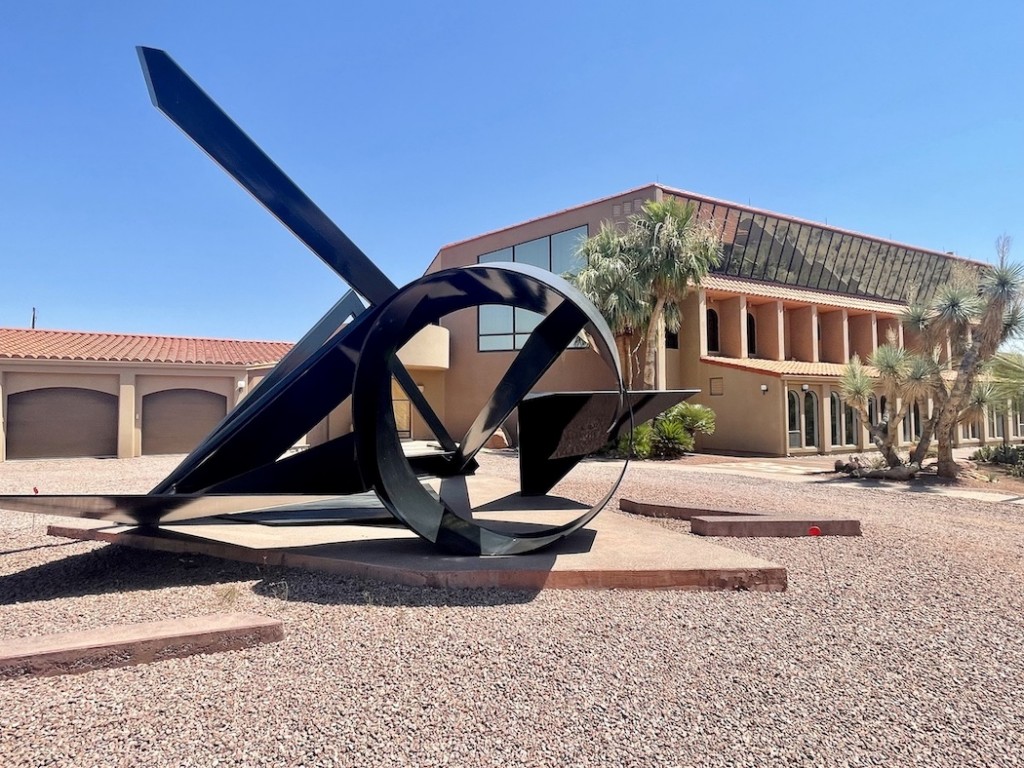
(127, 644)
(771, 526)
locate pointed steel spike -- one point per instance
(186, 105)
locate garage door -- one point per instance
(176, 420)
(60, 422)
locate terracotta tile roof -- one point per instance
(26, 344)
(776, 291)
(792, 367)
(778, 367)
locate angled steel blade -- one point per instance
(186, 104)
(547, 341)
(175, 94)
(349, 306)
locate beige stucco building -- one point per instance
(74, 393)
(71, 393)
(764, 338)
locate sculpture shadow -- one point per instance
(116, 569)
(113, 569)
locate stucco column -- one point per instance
(702, 322)
(127, 417)
(835, 337)
(803, 333)
(825, 439)
(732, 327)
(771, 330)
(3, 420)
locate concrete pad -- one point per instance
(673, 511)
(770, 525)
(613, 552)
(127, 644)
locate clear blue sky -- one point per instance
(416, 124)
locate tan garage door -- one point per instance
(176, 420)
(60, 422)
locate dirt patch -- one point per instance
(982, 477)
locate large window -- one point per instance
(912, 424)
(802, 419)
(793, 401)
(810, 419)
(844, 422)
(995, 423)
(506, 328)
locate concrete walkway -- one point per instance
(819, 469)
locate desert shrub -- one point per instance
(637, 443)
(670, 439)
(1017, 469)
(670, 435)
(693, 418)
(1000, 454)
(982, 454)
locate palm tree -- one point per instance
(609, 279)
(675, 250)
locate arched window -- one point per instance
(810, 419)
(794, 419)
(751, 335)
(712, 331)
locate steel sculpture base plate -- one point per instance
(613, 552)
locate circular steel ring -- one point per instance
(379, 450)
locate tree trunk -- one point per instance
(654, 343)
(917, 457)
(625, 359)
(947, 467)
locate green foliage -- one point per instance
(670, 440)
(693, 417)
(1012, 456)
(670, 435)
(636, 277)
(637, 444)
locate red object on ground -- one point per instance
(35, 490)
(814, 531)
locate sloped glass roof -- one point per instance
(759, 246)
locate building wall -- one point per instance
(474, 374)
(747, 421)
(129, 382)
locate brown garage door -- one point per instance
(60, 422)
(176, 420)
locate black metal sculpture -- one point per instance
(353, 352)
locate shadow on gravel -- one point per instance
(327, 589)
(37, 546)
(114, 569)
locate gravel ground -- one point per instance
(902, 647)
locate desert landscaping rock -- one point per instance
(901, 647)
